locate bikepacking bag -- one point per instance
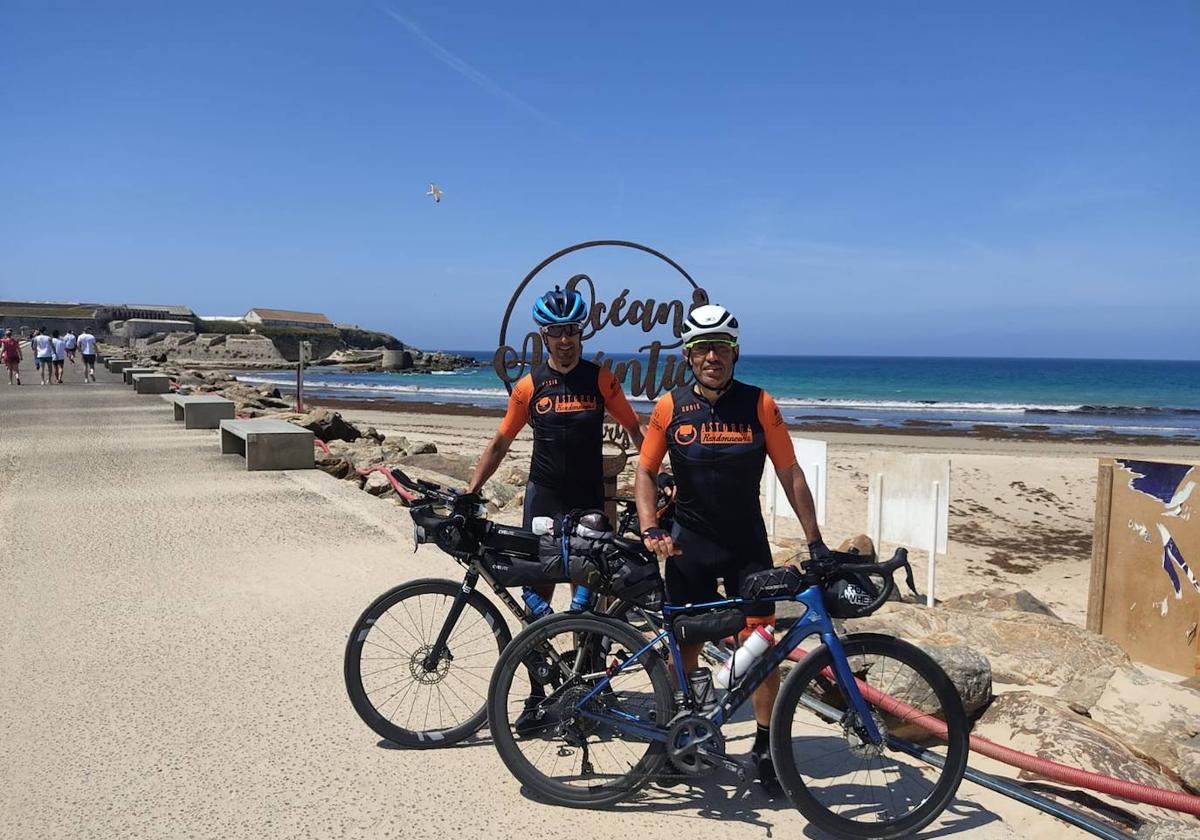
(628, 573)
(849, 595)
(709, 626)
(773, 583)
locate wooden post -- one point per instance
(1095, 604)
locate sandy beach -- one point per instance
(172, 630)
(1021, 509)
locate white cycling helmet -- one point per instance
(708, 320)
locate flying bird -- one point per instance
(436, 192)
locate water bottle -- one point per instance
(535, 603)
(744, 657)
(581, 599)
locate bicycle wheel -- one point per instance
(840, 781)
(386, 678)
(561, 756)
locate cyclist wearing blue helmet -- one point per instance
(564, 400)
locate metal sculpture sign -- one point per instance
(643, 377)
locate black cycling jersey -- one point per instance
(566, 413)
(717, 454)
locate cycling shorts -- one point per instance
(692, 576)
(544, 501)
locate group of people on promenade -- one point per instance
(51, 352)
(718, 432)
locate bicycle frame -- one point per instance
(814, 621)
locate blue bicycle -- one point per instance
(868, 735)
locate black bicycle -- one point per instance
(868, 734)
(419, 658)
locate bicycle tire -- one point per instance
(580, 627)
(466, 719)
(811, 682)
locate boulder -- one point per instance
(997, 600)
(1047, 728)
(1024, 648)
(336, 467)
(499, 493)
(377, 484)
(970, 672)
(329, 425)
(422, 447)
(1168, 830)
(1152, 716)
(1082, 692)
(373, 434)
(1189, 769)
(459, 467)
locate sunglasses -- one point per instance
(718, 346)
(559, 331)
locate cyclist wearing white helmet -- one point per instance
(719, 432)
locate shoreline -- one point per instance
(845, 431)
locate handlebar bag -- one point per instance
(850, 595)
(631, 575)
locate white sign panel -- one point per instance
(909, 499)
(811, 456)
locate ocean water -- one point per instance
(1069, 397)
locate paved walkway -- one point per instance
(171, 634)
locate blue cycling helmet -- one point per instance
(560, 307)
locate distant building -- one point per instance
(286, 318)
(149, 311)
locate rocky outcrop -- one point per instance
(1024, 648)
(327, 425)
(1048, 728)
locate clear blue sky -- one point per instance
(911, 178)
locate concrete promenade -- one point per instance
(171, 635)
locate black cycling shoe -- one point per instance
(767, 779)
(533, 718)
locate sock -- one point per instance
(762, 740)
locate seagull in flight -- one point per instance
(436, 192)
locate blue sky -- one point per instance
(894, 178)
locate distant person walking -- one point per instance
(43, 352)
(60, 356)
(87, 349)
(10, 350)
(72, 342)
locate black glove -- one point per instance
(817, 550)
(655, 534)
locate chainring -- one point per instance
(695, 745)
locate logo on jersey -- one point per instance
(685, 434)
(543, 405)
(570, 403)
(723, 434)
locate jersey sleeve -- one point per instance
(614, 400)
(775, 433)
(654, 447)
(518, 408)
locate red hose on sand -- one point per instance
(322, 445)
(1045, 768)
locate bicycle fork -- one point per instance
(434, 657)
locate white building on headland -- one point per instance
(286, 318)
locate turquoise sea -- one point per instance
(1070, 397)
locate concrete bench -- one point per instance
(268, 444)
(118, 365)
(151, 383)
(202, 411)
(129, 372)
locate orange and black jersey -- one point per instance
(567, 416)
(717, 456)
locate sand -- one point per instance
(172, 629)
(1021, 511)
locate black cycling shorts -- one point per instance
(692, 576)
(544, 501)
